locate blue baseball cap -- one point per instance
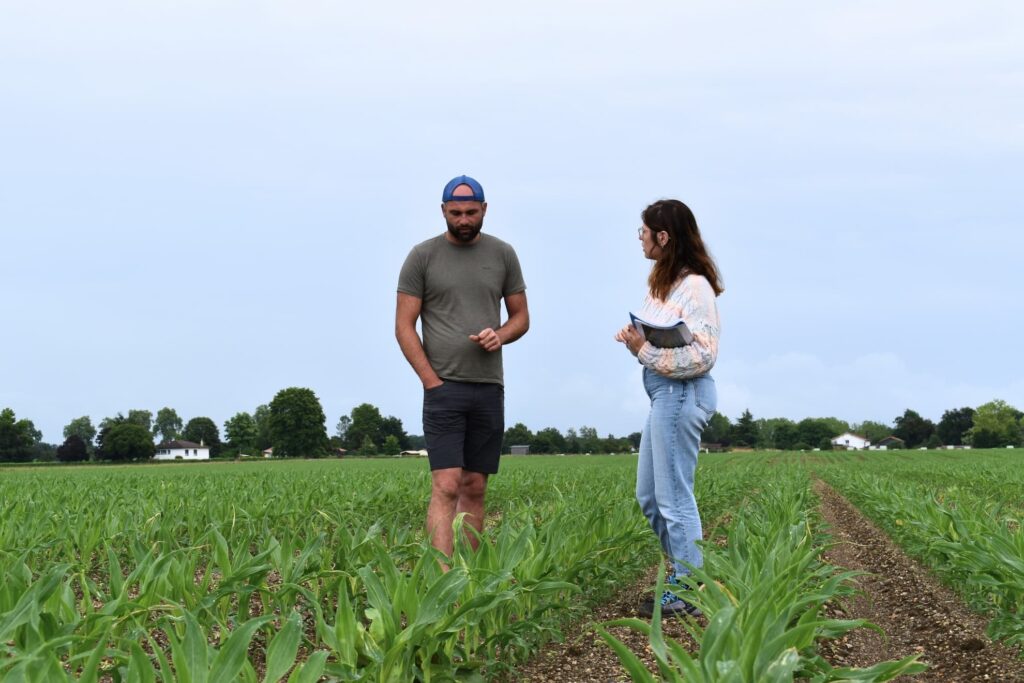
(478, 191)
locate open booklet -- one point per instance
(663, 336)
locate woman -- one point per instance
(684, 282)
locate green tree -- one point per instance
(18, 438)
(815, 430)
(548, 440)
(143, 418)
(83, 429)
(391, 445)
(73, 449)
(634, 440)
(240, 431)
(934, 441)
(167, 426)
(263, 435)
(787, 436)
(368, 447)
(954, 425)
(745, 432)
(996, 424)
(719, 430)
(203, 430)
(392, 426)
(344, 422)
(589, 441)
(366, 421)
(516, 435)
(106, 424)
(913, 429)
(298, 426)
(127, 441)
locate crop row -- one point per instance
(973, 543)
(304, 570)
(764, 594)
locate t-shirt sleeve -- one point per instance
(514, 282)
(411, 277)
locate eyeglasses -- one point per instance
(640, 231)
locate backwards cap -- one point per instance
(478, 191)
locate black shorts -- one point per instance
(463, 425)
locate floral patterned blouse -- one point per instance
(692, 299)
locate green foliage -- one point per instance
(203, 430)
(17, 437)
(818, 430)
(954, 425)
(261, 416)
(297, 424)
(168, 425)
(745, 432)
(82, 427)
(143, 418)
(127, 441)
(391, 445)
(996, 423)
(368, 447)
(241, 432)
(913, 429)
(516, 435)
(957, 512)
(73, 450)
(719, 430)
(764, 597)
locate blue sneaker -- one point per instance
(671, 604)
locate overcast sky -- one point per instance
(204, 202)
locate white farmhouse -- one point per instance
(851, 442)
(182, 450)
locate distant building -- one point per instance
(519, 450)
(182, 450)
(421, 452)
(851, 442)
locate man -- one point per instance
(454, 284)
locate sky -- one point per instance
(205, 202)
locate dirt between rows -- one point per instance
(917, 614)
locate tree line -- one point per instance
(293, 424)
(994, 424)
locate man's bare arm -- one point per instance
(518, 318)
(407, 312)
(515, 327)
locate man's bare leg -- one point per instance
(471, 501)
(444, 497)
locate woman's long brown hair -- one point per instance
(685, 250)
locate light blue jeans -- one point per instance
(680, 410)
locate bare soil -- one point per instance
(917, 614)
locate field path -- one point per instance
(916, 612)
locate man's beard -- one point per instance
(467, 234)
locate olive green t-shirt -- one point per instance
(461, 287)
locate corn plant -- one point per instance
(763, 595)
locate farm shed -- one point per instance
(519, 450)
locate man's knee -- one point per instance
(447, 483)
(473, 485)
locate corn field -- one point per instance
(319, 570)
